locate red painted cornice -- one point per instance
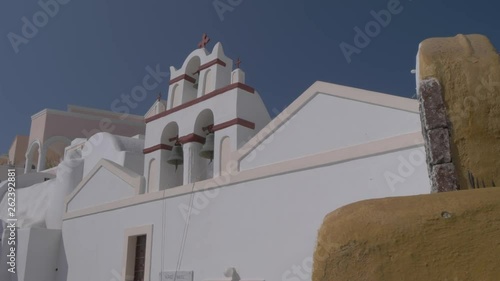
(202, 98)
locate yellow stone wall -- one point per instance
(452, 236)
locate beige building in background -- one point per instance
(16, 157)
(17, 151)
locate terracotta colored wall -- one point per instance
(74, 127)
(37, 128)
(17, 150)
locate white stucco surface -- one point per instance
(249, 226)
(329, 122)
(25, 180)
(41, 204)
(42, 255)
(4, 172)
(118, 149)
(36, 255)
(103, 187)
(225, 107)
(31, 207)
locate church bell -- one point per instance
(176, 156)
(207, 151)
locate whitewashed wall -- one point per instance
(42, 256)
(36, 255)
(102, 188)
(263, 228)
(4, 172)
(329, 122)
(121, 150)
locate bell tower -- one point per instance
(209, 107)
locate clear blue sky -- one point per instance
(92, 51)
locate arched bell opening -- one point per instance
(32, 156)
(176, 97)
(172, 158)
(204, 158)
(208, 82)
(153, 175)
(192, 70)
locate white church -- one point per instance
(213, 189)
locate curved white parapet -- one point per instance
(69, 174)
(43, 202)
(125, 151)
(43, 195)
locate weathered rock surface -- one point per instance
(468, 70)
(452, 236)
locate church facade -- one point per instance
(215, 189)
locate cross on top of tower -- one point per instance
(237, 63)
(204, 41)
(159, 96)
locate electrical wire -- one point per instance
(184, 236)
(163, 234)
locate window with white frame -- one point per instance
(137, 253)
(140, 257)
